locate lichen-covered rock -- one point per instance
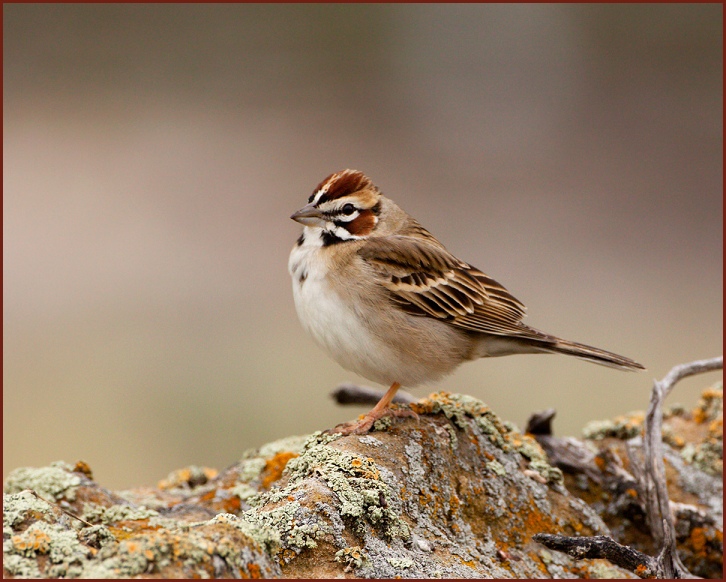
(455, 492)
(603, 471)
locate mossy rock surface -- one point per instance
(455, 492)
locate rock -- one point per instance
(455, 492)
(604, 471)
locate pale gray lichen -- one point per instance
(496, 467)
(265, 536)
(401, 563)
(98, 535)
(357, 483)
(550, 473)
(371, 441)
(352, 557)
(707, 456)
(54, 482)
(20, 566)
(383, 424)
(244, 491)
(59, 543)
(18, 507)
(253, 461)
(292, 444)
(622, 427)
(98, 514)
(294, 526)
(250, 469)
(457, 407)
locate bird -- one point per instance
(386, 300)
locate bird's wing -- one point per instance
(426, 280)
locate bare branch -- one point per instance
(654, 484)
(601, 547)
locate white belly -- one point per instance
(334, 325)
(339, 328)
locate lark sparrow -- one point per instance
(387, 301)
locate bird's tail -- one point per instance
(590, 353)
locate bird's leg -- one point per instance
(365, 422)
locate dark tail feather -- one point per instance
(544, 342)
(592, 354)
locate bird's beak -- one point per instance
(309, 216)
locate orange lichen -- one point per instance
(132, 547)
(187, 476)
(82, 467)
(699, 416)
(254, 570)
(454, 503)
(534, 522)
(274, 467)
(34, 539)
(715, 428)
(640, 570)
(600, 462)
(698, 541)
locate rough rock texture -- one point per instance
(693, 447)
(454, 493)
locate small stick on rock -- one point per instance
(601, 547)
(347, 394)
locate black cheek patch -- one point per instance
(330, 238)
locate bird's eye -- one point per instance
(348, 209)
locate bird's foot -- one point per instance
(366, 421)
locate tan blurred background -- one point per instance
(153, 154)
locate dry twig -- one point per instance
(601, 547)
(654, 485)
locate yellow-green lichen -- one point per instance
(382, 424)
(356, 481)
(65, 553)
(54, 482)
(293, 525)
(98, 514)
(401, 563)
(622, 427)
(260, 532)
(20, 566)
(18, 507)
(352, 557)
(550, 473)
(707, 456)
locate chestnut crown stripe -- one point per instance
(340, 184)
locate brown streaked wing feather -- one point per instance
(427, 280)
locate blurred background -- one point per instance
(152, 156)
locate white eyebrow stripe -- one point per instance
(319, 193)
